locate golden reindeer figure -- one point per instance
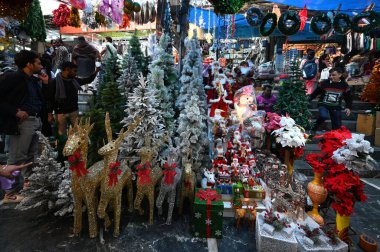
(115, 177)
(84, 182)
(147, 177)
(188, 183)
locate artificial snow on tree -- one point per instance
(128, 79)
(293, 100)
(64, 204)
(192, 132)
(192, 128)
(34, 24)
(45, 183)
(163, 77)
(371, 91)
(191, 78)
(152, 45)
(137, 54)
(143, 104)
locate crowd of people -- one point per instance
(42, 86)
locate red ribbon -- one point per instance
(114, 172)
(144, 173)
(169, 173)
(188, 183)
(209, 196)
(77, 165)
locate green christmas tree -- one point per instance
(293, 100)
(34, 24)
(137, 54)
(108, 99)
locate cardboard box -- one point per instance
(258, 193)
(377, 137)
(378, 119)
(366, 124)
(208, 214)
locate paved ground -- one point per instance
(31, 231)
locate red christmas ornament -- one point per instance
(303, 17)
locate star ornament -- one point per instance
(198, 215)
(196, 234)
(218, 233)
(220, 213)
(208, 222)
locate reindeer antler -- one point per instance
(107, 123)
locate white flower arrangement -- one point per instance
(290, 134)
(355, 154)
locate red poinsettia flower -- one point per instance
(298, 152)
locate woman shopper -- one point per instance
(331, 92)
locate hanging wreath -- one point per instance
(266, 32)
(289, 16)
(227, 6)
(61, 16)
(371, 16)
(254, 16)
(342, 23)
(326, 24)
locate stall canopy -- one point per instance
(347, 5)
(206, 19)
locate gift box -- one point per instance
(225, 188)
(255, 193)
(278, 241)
(208, 213)
(237, 188)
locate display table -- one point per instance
(279, 241)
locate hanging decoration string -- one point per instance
(233, 26)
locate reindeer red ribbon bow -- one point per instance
(113, 173)
(77, 164)
(169, 173)
(144, 173)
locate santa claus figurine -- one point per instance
(218, 163)
(221, 102)
(235, 163)
(237, 139)
(252, 166)
(210, 87)
(244, 172)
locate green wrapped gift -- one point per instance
(208, 213)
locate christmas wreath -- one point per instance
(326, 24)
(342, 23)
(292, 16)
(254, 16)
(371, 16)
(61, 16)
(266, 32)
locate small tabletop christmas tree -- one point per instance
(293, 100)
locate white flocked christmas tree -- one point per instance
(128, 79)
(192, 128)
(49, 184)
(143, 104)
(164, 78)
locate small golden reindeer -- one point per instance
(116, 175)
(188, 183)
(147, 177)
(84, 182)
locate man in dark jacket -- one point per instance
(63, 93)
(22, 98)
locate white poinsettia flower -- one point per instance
(287, 122)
